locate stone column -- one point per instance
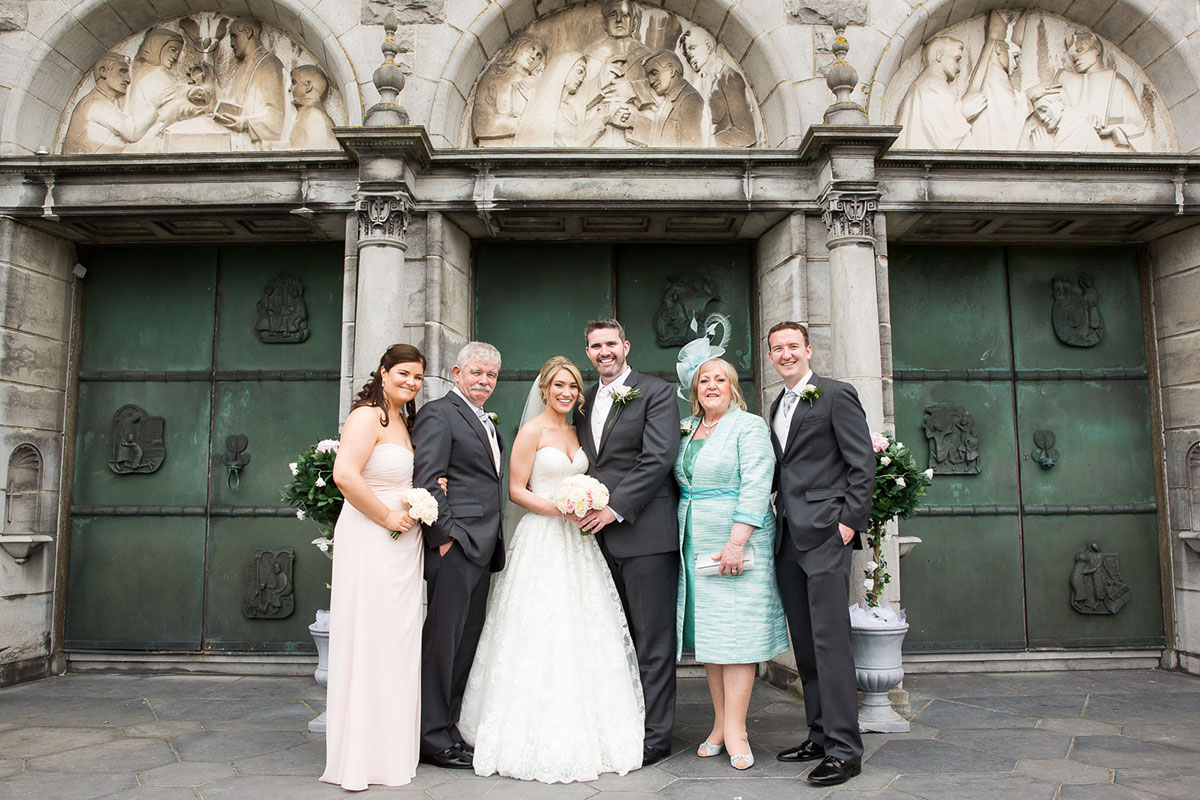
(383, 212)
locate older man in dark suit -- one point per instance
(824, 478)
(629, 429)
(455, 439)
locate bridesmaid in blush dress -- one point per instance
(373, 699)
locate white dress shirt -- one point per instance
(601, 405)
(486, 421)
(783, 417)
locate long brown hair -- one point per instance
(372, 391)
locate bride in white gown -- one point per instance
(554, 693)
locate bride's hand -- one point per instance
(730, 558)
(399, 521)
(574, 520)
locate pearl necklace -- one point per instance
(708, 429)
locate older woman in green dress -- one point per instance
(731, 615)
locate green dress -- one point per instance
(734, 619)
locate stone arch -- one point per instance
(1154, 35)
(63, 51)
(737, 25)
(23, 490)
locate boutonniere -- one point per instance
(494, 417)
(622, 395)
(810, 393)
(687, 426)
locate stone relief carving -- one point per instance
(383, 219)
(612, 74)
(1075, 312)
(953, 443)
(1096, 585)
(269, 592)
(849, 214)
(282, 315)
(204, 83)
(677, 320)
(1025, 80)
(137, 441)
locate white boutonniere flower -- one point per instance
(622, 395)
(810, 393)
(494, 417)
(687, 426)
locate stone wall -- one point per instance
(35, 298)
(1176, 265)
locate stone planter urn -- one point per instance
(321, 640)
(878, 669)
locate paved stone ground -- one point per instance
(1059, 736)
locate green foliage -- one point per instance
(899, 486)
(312, 491)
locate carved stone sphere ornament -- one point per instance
(1017, 79)
(282, 316)
(137, 441)
(1096, 585)
(953, 443)
(612, 74)
(1075, 312)
(681, 312)
(268, 589)
(203, 83)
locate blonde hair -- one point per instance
(551, 368)
(726, 369)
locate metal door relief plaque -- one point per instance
(236, 458)
(1096, 585)
(681, 311)
(137, 441)
(1076, 311)
(282, 316)
(269, 592)
(953, 443)
(1044, 453)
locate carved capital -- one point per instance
(383, 218)
(849, 216)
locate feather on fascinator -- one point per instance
(701, 349)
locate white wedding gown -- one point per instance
(554, 693)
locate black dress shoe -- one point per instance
(450, 758)
(465, 748)
(833, 771)
(651, 755)
(809, 751)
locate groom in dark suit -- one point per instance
(455, 439)
(824, 478)
(629, 429)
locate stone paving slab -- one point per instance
(1131, 735)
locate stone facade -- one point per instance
(821, 202)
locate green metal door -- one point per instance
(196, 360)
(533, 301)
(1021, 379)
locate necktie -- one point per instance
(784, 419)
(492, 440)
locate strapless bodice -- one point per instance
(389, 468)
(551, 467)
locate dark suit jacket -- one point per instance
(449, 441)
(825, 471)
(637, 453)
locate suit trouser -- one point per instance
(649, 586)
(457, 590)
(815, 588)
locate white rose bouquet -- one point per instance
(421, 507)
(580, 494)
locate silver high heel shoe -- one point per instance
(741, 760)
(707, 749)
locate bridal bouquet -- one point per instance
(421, 507)
(580, 494)
(313, 493)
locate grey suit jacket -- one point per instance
(825, 471)
(449, 441)
(637, 452)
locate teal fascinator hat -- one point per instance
(701, 349)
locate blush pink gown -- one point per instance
(373, 699)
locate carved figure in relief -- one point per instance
(999, 124)
(137, 441)
(619, 114)
(1101, 95)
(269, 593)
(678, 119)
(99, 122)
(1055, 126)
(282, 313)
(678, 317)
(728, 121)
(313, 128)
(622, 20)
(953, 443)
(933, 116)
(152, 77)
(1096, 585)
(1075, 312)
(569, 121)
(254, 108)
(506, 89)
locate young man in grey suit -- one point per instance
(455, 439)
(824, 478)
(631, 447)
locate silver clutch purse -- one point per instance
(706, 566)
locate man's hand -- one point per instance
(442, 550)
(846, 532)
(595, 521)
